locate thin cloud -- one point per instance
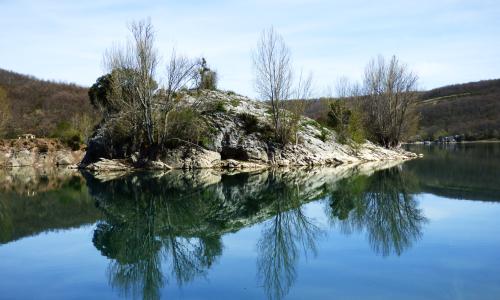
(445, 41)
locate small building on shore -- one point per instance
(26, 136)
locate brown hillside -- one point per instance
(471, 109)
(39, 106)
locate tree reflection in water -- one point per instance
(383, 205)
(169, 228)
(283, 237)
(147, 224)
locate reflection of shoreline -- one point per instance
(160, 227)
(167, 227)
(238, 187)
(33, 201)
(481, 141)
(463, 171)
(455, 143)
(31, 181)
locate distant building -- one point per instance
(450, 139)
(27, 136)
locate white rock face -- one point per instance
(316, 145)
(191, 158)
(11, 158)
(236, 145)
(109, 165)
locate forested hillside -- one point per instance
(44, 108)
(471, 109)
(51, 109)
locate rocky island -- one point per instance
(238, 137)
(182, 120)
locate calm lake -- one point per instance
(425, 229)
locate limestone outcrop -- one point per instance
(236, 145)
(38, 153)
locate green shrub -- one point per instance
(355, 128)
(347, 122)
(250, 122)
(219, 106)
(440, 133)
(208, 81)
(235, 102)
(205, 141)
(311, 123)
(68, 135)
(324, 134)
(267, 133)
(207, 78)
(186, 125)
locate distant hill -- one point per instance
(44, 107)
(472, 109)
(40, 107)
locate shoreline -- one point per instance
(463, 142)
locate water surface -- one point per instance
(428, 228)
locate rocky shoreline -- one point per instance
(236, 146)
(233, 145)
(191, 159)
(38, 153)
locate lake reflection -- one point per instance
(175, 222)
(383, 205)
(303, 233)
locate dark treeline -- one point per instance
(483, 87)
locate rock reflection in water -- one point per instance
(150, 222)
(168, 228)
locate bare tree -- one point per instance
(137, 99)
(343, 88)
(274, 83)
(181, 72)
(4, 111)
(133, 70)
(390, 98)
(273, 74)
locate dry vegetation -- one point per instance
(471, 109)
(42, 145)
(45, 108)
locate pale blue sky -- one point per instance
(444, 41)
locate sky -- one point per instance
(443, 41)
